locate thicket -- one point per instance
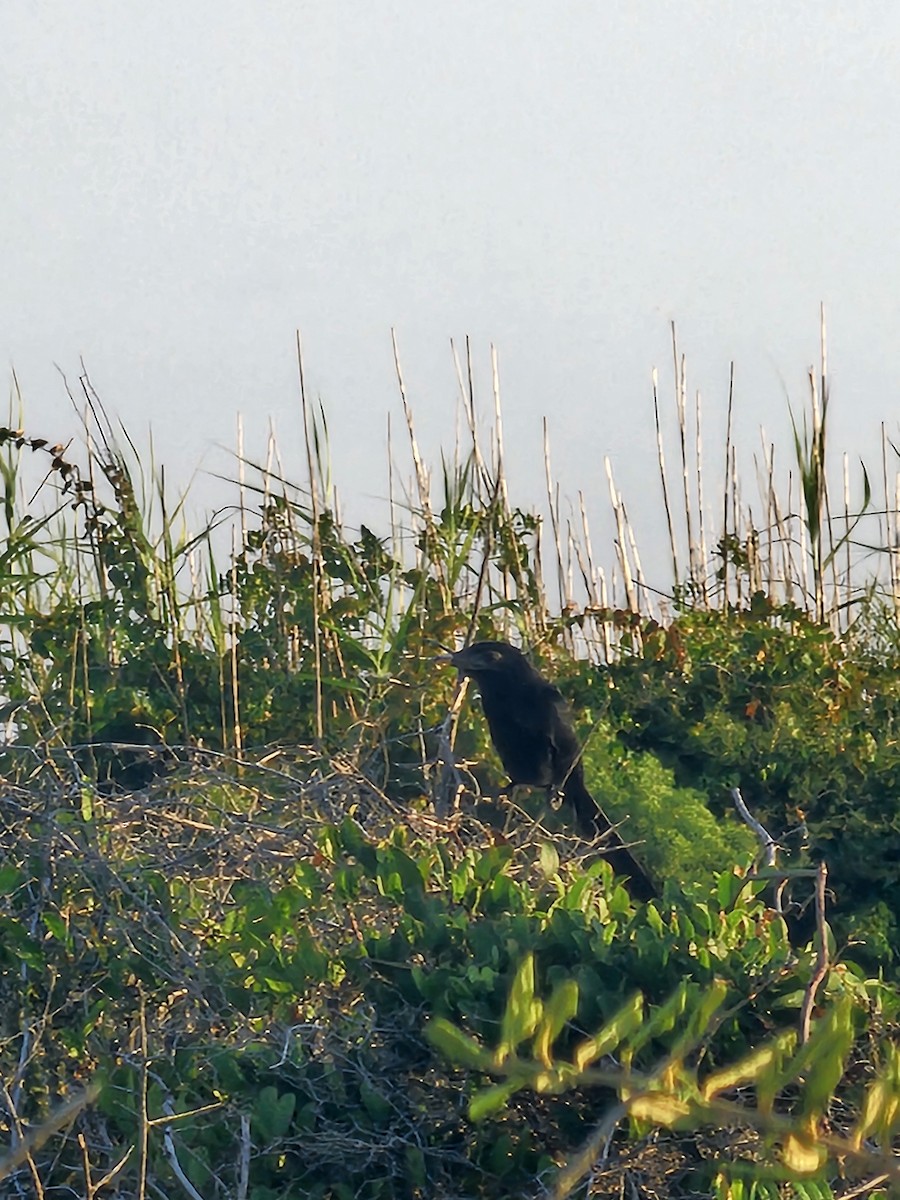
(266, 931)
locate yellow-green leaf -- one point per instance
(619, 1027)
(803, 1156)
(523, 1011)
(559, 1009)
(459, 1047)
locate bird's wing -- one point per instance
(564, 744)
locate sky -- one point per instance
(185, 186)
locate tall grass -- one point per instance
(100, 568)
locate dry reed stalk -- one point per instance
(242, 479)
(830, 562)
(168, 590)
(804, 563)
(498, 427)
(831, 557)
(573, 558)
(396, 533)
(833, 608)
(539, 570)
(484, 571)
(467, 393)
(884, 535)
(814, 516)
(553, 507)
(274, 471)
(760, 487)
(726, 487)
(769, 499)
(93, 537)
(500, 497)
(848, 589)
(701, 516)
(661, 460)
(636, 559)
(235, 642)
(423, 484)
(565, 593)
(681, 410)
(606, 627)
(772, 508)
(591, 584)
(316, 543)
(890, 536)
(755, 563)
(273, 457)
(467, 403)
(621, 539)
(194, 576)
(786, 535)
(733, 485)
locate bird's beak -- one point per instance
(454, 659)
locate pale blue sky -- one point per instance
(184, 185)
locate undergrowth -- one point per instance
(267, 928)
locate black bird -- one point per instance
(531, 731)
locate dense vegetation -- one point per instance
(266, 932)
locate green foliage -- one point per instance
(678, 834)
(284, 1011)
(803, 721)
(245, 957)
(677, 1095)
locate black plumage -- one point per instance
(533, 735)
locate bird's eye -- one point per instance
(495, 655)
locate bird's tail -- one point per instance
(592, 822)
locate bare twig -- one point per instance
(172, 1153)
(768, 843)
(593, 1148)
(822, 958)
(35, 1138)
(244, 1166)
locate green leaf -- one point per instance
(820, 1061)
(523, 1011)
(376, 1105)
(485, 1103)
(653, 918)
(11, 878)
(728, 888)
(662, 1019)
(455, 1045)
(559, 1009)
(880, 1111)
(758, 1064)
(549, 860)
(709, 1003)
(272, 1113)
(415, 1167)
(803, 1154)
(55, 924)
(833, 1038)
(621, 1026)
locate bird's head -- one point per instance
(487, 658)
